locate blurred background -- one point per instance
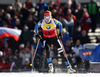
(80, 19)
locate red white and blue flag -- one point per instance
(8, 32)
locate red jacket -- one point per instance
(5, 66)
(85, 23)
(74, 18)
(7, 51)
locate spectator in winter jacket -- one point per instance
(7, 50)
(10, 11)
(70, 24)
(51, 5)
(30, 22)
(85, 21)
(28, 4)
(65, 9)
(76, 50)
(25, 35)
(84, 38)
(4, 65)
(24, 13)
(74, 6)
(93, 11)
(18, 24)
(65, 36)
(68, 12)
(78, 12)
(76, 34)
(2, 13)
(68, 46)
(41, 6)
(24, 55)
(17, 5)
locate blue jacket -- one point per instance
(65, 38)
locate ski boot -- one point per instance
(51, 69)
(70, 70)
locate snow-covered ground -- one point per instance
(34, 74)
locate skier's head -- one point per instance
(47, 16)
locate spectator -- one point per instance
(68, 12)
(74, 6)
(65, 9)
(24, 13)
(78, 12)
(9, 18)
(7, 50)
(15, 64)
(17, 13)
(28, 4)
(18, 24)
(2, 13)
(76, 50)
(41, 14)
(59, 14)
(85, 21)
(70, 24)
(84, 38)
(4, 65)
(57, 6)
(27, 66)
(30, 23)
(76, 34)
(25, 36)
(70, 2)
(41, 6)
(51, 5)
(6, 23)
(68, 46)
(25, 56)
(17, 5)
(28, 46)
(65, 36)
(64, 22)
(10, 11)
(54, 13)
(33, 12)
(93, 11)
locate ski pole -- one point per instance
(33, 56)
(64, 51)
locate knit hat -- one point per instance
(58, 1)
(47, 14)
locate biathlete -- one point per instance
(49, 29)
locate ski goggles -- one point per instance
(47, 17)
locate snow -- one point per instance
(35, 74)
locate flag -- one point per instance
(8, 32)
(96, 54)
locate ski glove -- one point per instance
(60, 36)
(38, 36)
